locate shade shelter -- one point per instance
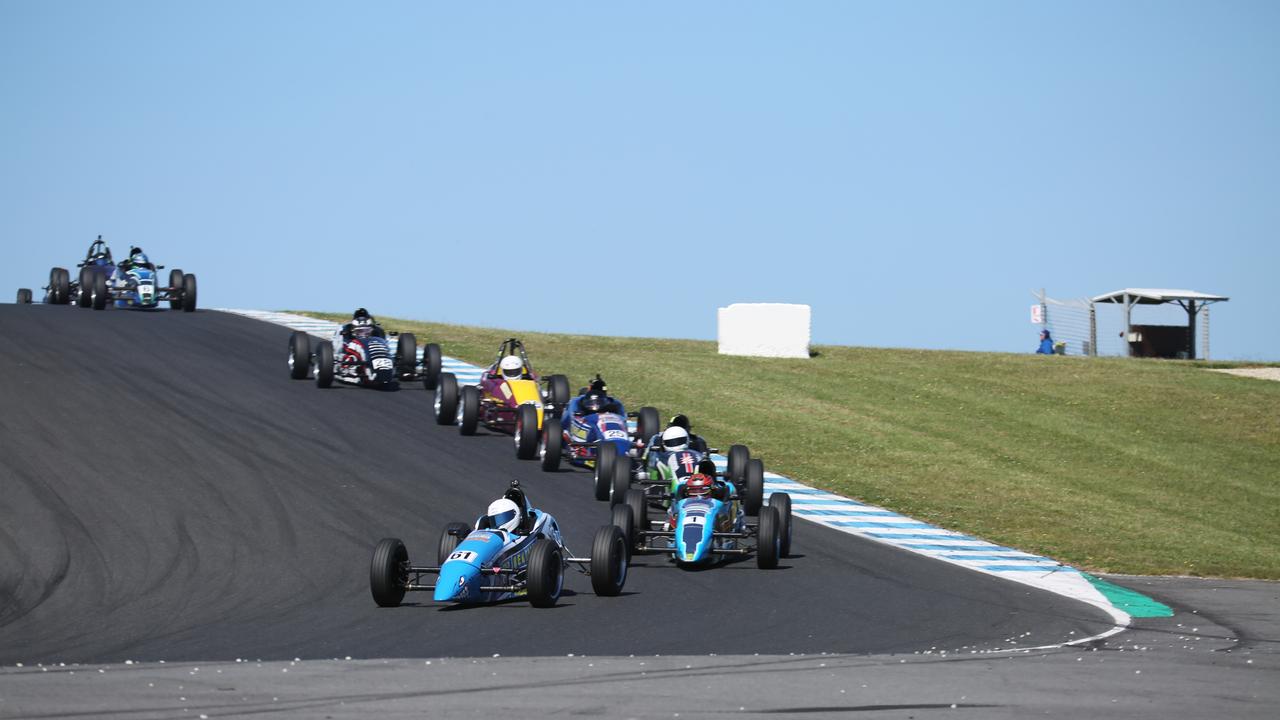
(1161, 340)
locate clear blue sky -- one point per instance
(910, 169)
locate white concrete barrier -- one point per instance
(764, 330)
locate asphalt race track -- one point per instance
(170, 494)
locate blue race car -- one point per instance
(513, 551)
(130, 283)
(593, 432)
(706, 523)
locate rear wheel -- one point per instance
(526, 435)
(59, 286)
(388, 573)
(546, 573)
(98, 296)
(738, 457)
(430, 365)
(768, 540)
(551, 444)
(606, 456)
(447, 399)
(324, 365)
(639, 505)
(558, 391)
(299, 355)
(175, 289)
(648, 424)
(469, 410)
(86, 286)
(782, 503)
(406, 355)
(753, 487)
(188, 293)
(609, 556)
(620, 517)
(449, 540)
(24, 296)
(621, 480)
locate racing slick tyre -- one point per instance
(450, 538)
(299, 355)
(609, 557)
(24, 296)
(639, 506)
(738, 457)
(469, 410)
(98, 295)
(406, 356)
(324, 365)
(59, 286)
(430, 366)
(621, 482)
(781, 502)
(620, 517)
(648, 424)
(175, 289)
(447, 399)
(546, 573)
(606, 456)
(387, 572)
(768, 539)
(188, 293)
(558, 391)
(551, 444)
(753, 487)
(86, 283)
(526, 434)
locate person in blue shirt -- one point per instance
(1046, 343)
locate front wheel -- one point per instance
(526, 435)
(447, 399)
(738, 457)
(98, 295)
(324, 365)
(546, 573)
(59, 286)
(636, 501)
(621, 518)
(608, 561)
(606, 456)
(24, 296)
(558, 391)
(768, 539)
(83, 298)
(551, 444)
(469, 410)
(388, 572)
(781, 502)
(175, 289)
(406, 355)
(450, 539)
(430, 366)
(299, 355)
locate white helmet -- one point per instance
(503, 514)
(675, 438)
(512, 367)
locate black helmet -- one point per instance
(593, 403)
(680, 421)
(360, 314)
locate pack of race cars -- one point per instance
(667, 493)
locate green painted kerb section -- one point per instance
(1130, 601)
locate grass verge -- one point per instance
(1112, 465)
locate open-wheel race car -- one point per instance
(705, 523)
(593, 432)
(365, 357)
(512, 551)
(670, 459)
(509, 398)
